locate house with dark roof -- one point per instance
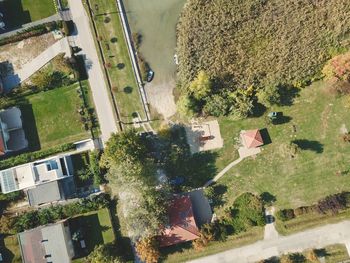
(51, 243)
(12, 136)
(182, 226)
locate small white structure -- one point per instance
(32, 174)
(204, 136)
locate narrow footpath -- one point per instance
(314, 238)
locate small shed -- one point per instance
(251, 138)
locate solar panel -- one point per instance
(8, 183)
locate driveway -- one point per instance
(84, 39)
(37, 63)
(313, 238)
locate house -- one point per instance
(12, 137)
(51, 243)
(182, 225)
(33, 174)
(251, 138)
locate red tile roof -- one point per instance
(252, 138)
(182, 226)
(2, 146)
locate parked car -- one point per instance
(150, 76)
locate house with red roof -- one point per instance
(182, 225)
(251, 139)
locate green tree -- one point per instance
(187, 106)
(269, 96)
(242, 104)
(216, 105)
(201, 86)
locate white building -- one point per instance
(30, 175)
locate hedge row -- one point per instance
(54, 213)
(331, 204)
(31, 32)
(32, 156)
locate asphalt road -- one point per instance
(313, 238)
(84, 39)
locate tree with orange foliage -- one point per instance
(148, 250)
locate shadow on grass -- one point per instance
(287, 94)
(281, 119)
(6, 253)
(14, 15)
(29, 126)
(321, 253)
(314, 146)
(265, 136)
(123, 244)
(258, 110)
(178, 248)
(217, 195)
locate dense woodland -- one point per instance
(255, 45)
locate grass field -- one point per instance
(115, 52)
(96, 227)
(51, 118)
(10, 249)
(318, 118)
(19, 12)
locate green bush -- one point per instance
(32, 156)
(285, 214)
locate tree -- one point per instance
(216, 105)
(269, 96)
(242, 104)
(148, 250)
(201, 86)
(311, 256)
(187, 106)
(94, 167)
(42, 79)
(104, 254)
(6, 224)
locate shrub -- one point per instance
(148, 250)
(32, 156)
(269, 96)
(285, 214)
(331, 204)
(304, 210)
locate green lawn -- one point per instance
(51, 118)
(115, 52)
(19, 12)
(96, 228)
(318, 118)
(10, 249)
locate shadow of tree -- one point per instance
(268, 198)
(287, 94)
(314, 146)
(128, 90)
(216, 195)
(321, 252)
(7, 254)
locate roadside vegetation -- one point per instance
(116, 59)
(253, 47)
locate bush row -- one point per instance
(331, 204)
(32, 156)
(31, 32)
(54, 213)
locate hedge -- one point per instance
(32, 156)
(31, 32)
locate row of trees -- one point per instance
(331, 204)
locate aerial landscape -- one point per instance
(175, 131)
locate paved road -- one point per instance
(313, 238)
(37, 63)
(84, 40)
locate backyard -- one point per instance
(51, 118)
(19, 12)
(10, 249)
(118, 64)
(96, 229)
(315, 123)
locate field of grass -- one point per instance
(10, 249)
(118, 64)
(334, 253)
(185, 252)
(19, 12)
(96, 228)
(51, 118)
(318, 118)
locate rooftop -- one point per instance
(35, 173)
(51, 243)
(182, 226)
